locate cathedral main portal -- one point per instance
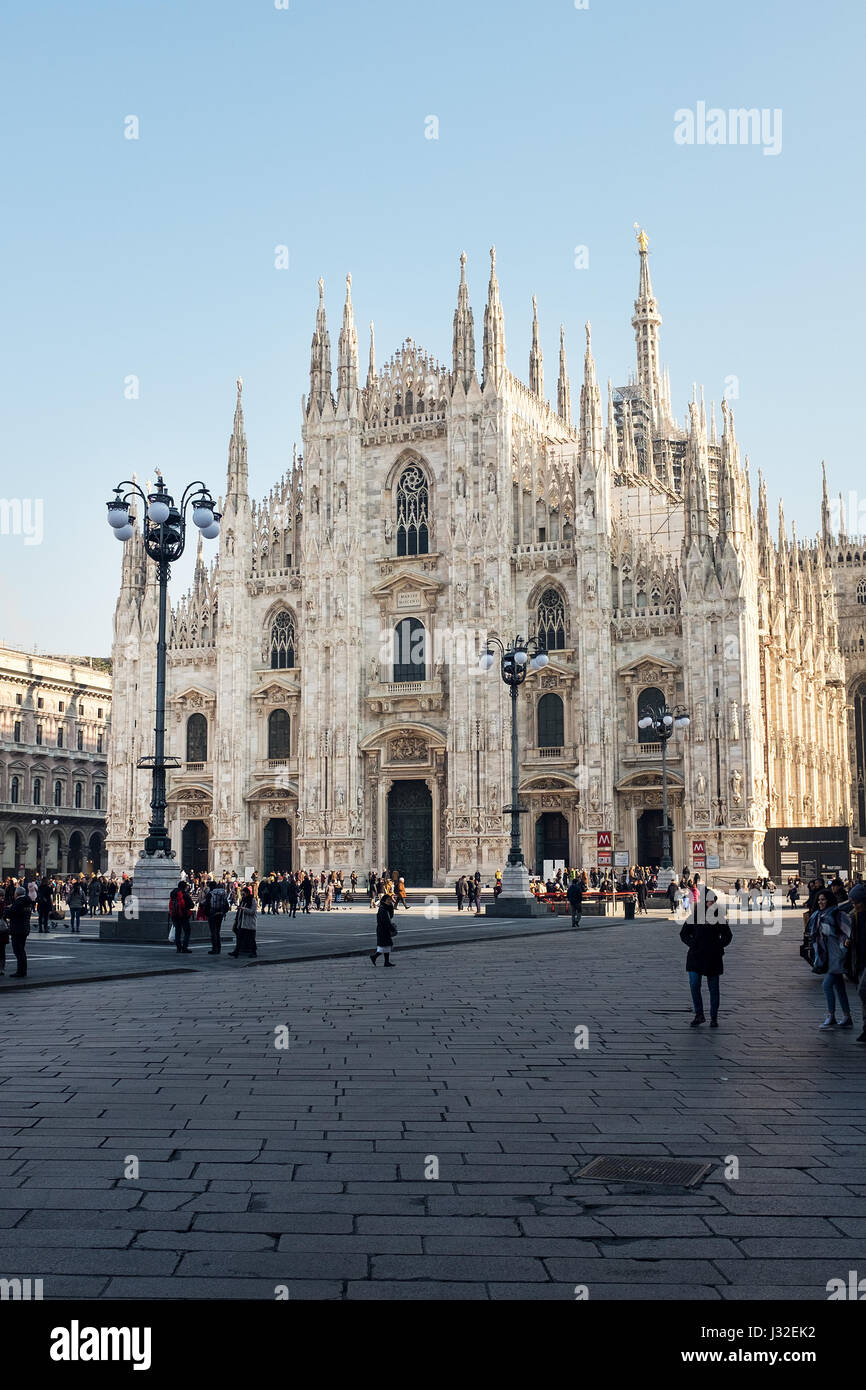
(410, 832)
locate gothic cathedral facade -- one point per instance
(325, 702)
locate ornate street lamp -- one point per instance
(515, 662)
(164, 536)
(42, 823)
(662, 721)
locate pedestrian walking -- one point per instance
(75, 903)
(385, 930)
(460, 891)
(829, 929)
(216, 905)
(575, 898)
(18, 916)
(292, 894)
(706, 934)
(245, 925)
(44, 903)
(180, 906)
(401, 893)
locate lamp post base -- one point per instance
(516, 899)
(147, 918)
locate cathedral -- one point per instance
(324, 699)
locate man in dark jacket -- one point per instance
(216, 905)
(706, 933)
(292, 892)
(385, 930)
(180, 907)
(857, 909)
(44, 903)
(18, 917)
(575, 897)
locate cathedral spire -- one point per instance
(646, 323)
(696, 490)
(463, 348)
(236, 479)
(371, 368)
(563, 389)
(591, 431)
(843, 530)
(200, 572)
(536, 358)
(826, 530)
(347, 352)
(612, 440)
(494, 328)
(320, 357)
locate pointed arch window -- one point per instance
(861, 591)
(551, 722)
(196, 739)
(650, 701)
(413, 501)
(410, 650)
(282, 642)
(550, 621)
(279, 734)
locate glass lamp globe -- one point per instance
(539, 660)
(158, 512)
(123, 533)
(683, 721)
(520, 658)
(211, 532)
(118, 513)
(202, 516)
(667, 720)
(645, 723)
(486, 661)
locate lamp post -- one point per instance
(164, 537)
(662, 721)
(42, 823)
(515, 662)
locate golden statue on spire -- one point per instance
(642, 240)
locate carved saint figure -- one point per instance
(737, 785)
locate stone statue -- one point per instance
(389, 528)
(595, 793)
(747, 721)
(374, 670)
(461, 736)
(701, 786)
(462, 793)
(589, 587)
(341, 796)
(340, 608)
(493, 800)
(737, 786)
(700, 727)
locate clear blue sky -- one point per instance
(306, 127)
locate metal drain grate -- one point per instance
(672, 1172)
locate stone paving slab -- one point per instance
(305, 1167)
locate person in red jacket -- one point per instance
(180, 906)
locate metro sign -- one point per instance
(604, 839)
(699, 853)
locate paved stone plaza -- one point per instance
(305, 1167)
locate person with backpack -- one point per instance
(829, 929)
(216, 905)
(706, 934)
(575, 897)
(180, 907)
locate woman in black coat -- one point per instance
(385, 931)
(706, 933)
